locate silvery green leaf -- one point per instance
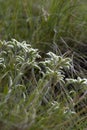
(1, 59)
(70, 80)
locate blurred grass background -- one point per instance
(44, 23)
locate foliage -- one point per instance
(47, 93)
(28, 99)
(44, 23)
(59, 26)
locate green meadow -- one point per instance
(43, 65)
